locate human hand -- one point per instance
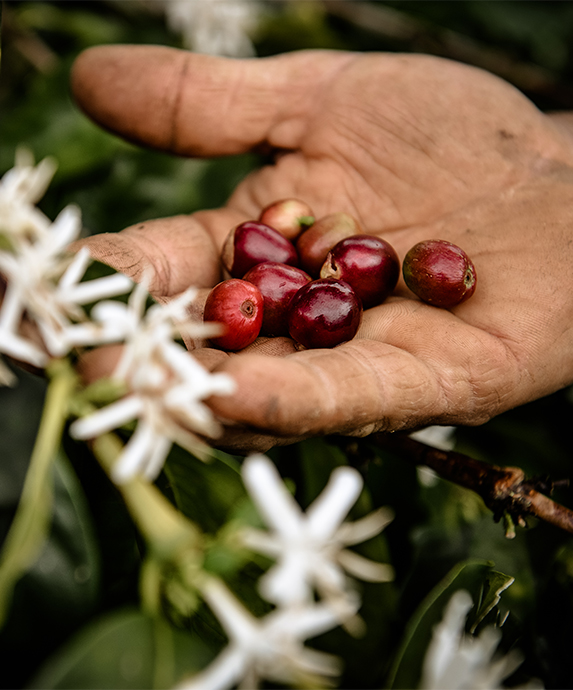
(414, 147)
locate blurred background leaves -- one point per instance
(73, 616)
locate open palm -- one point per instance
(415, 148)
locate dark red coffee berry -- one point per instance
(289, 216)
(439, 273)
(315, 243)
(324, 313)
(368, 264)
(252, 243)
(238, 305)
(278, 284)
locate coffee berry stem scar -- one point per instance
(367, 263)
(315, 243)
(290, 217)
(238, 306)
(439, 273)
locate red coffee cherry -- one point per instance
(278, 284)
(315, 243)
(288, 216)
(252, 243)
(439, 273)
(368, 264)
(238, 305)
(324, 313)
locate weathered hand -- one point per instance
(413, 146)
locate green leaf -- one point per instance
(88, 27)
(30, 526)
(21, 410)
(67, 569)
(318, 459)
(495, 583)
(61, 589)
(124, 649)
(205, 492)
(407, 665)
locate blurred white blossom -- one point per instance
(456, 660)
(441, 437)
(215, 27)
(20, 189)
(42, 281)
(309, 547)
(166, 384)
(269, 648)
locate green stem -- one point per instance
(175, 543)
(167, 531)
(32, 520)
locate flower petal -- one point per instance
(7, 377)
(190, 442)
(32, 181)
(303, 622)
(259, 541)
(107, 418)
(22, 349)
(158, 451)
(12, 308)
(364, 568)
(176, 309)
(224, 672)
(74, 272)
(445, 641)
(365, 528)
(286, 583)
(239, 624)
(277, 506)
(134, 458)
(65, 228)
(99, 288)
(327, 511)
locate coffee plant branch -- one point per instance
(505, 490)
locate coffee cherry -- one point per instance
(368, 264)
(288, 216)
(315, 243)
(252, 243)
(324, 313)
(278, 283)
(238, 305)
(439, 273)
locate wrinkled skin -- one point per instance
(415, 147)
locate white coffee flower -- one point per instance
(268, 648)
(215, 27)
(20, 189)
(166, 384)
(441, 437)
(459, 661)
(42, 283)
(309, 547)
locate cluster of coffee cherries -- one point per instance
(309, 279)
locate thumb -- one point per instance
(201, 105)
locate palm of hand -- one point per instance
(414, 147)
